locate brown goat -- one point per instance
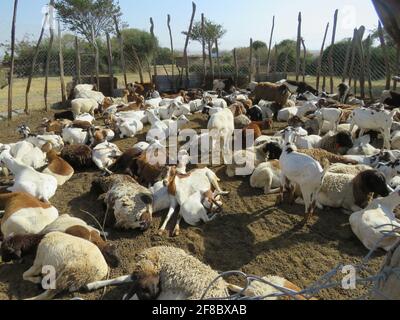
(271, 92)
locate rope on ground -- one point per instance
(325, 282)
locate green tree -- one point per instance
(87, 16)
(212, 32)
(257, 45)
(142, 41)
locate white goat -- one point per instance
(104, 155)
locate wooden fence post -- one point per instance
(78, 60)
(298, 48)
(185, 53)
(330, 59)
(139, 64)
(172, 51)
(304, 59)
(96, 59)
(203, 44)
(270, 44)
(33, 63)
(110, 63)
(236, 67)
(11, 76)
(48, 58)
(397, 66)
(368, 44)
(155, 54)
(321, 55)
(360, 36)
(385, 55)
(218, 60)
(121, 50)
(251, 61)
(353, 56)
(347, 60)
(61, 61)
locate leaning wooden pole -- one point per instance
(185, 53)
(110, 63)
(321, 55)
(155, 52)
(48, 58)
(270, 44)
(78, 61)
(138, 64)
(353, 56)
(121, 50)
(368, 44)
(61, 63)
(11, 76)
(236, 67)
(385, 56)
(96, 59)
(218, 59)
(172, 51)
(298, 48)
(360, 47)
(304, 59)
(203, 44)
(330, 58)
(33, 63)
(251, 61)
(347, 60)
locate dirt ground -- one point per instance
(252, 235)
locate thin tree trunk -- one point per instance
(203, 44)
(331, 65)
(298, 48)
(251, 61)
(33, 64)
(172, 51)
(78, 61)
(61, 59)
(385, 55)
(154, 39)
(110, 64)
(321, 55)
(397, 66)
(185, 53)
(139, 65)
(11, 76)
(270, 44)
(211, 60)
(121, 50)
(48, 58)
(149, 69)
(353, 56)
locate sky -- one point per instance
(242, 19)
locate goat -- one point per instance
(104, 155)
(271, 92)
(58, 168)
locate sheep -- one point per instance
(76, 261)
(24, 214)
(336, 143)
(245, 161)
(370, 119)
(81, 105)
(285, 114)
(388, 286)
(267, 175)
(168, 273)
(348, 169)
(300, 87)
(58, 168)
(351, 192)
(222, 124)
(390, 98)
(363, 147)
(78, 156)
(79, 228)
(371, 224)
(330, 115)
(302, 170)
(104, 155)
(83, 87)
(271, 92)
(27, 179)
(128, 203)
(241, 121)
(73, 136)
(182, 186)
(26, 153)
(200, 207)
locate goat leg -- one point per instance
(113, 282)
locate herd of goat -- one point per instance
(336, 151)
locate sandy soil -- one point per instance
(251, 235)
